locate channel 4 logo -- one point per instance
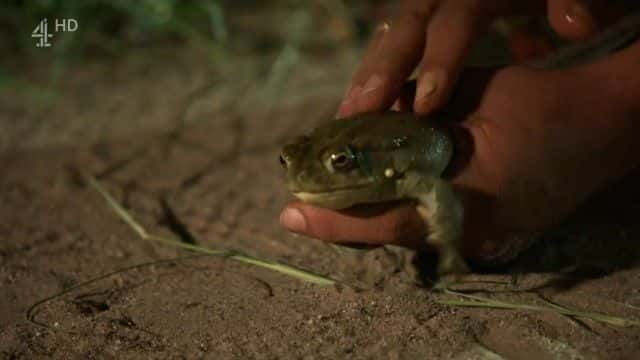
(42, 33)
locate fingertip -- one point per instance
(373, 84)
(449, 38)
(431, 91)
(293, 219)
(571, 19)
(374, 94)
(387, 65)
(312, 221)
(346, 108)
(378, 93)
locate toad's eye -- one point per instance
(341, 161)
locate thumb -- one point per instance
(373, 224)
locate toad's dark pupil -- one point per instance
(340, 160)
(283, 162)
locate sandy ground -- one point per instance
(186, 147)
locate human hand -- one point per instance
(438, 34)
(536, 144)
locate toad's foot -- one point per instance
(443, 213)
(446, 282)
(451, 262)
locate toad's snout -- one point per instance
(293, 151)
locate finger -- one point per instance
(450, 34)
(398, 224)
(369, 56)
(572, 19)
(377, 83)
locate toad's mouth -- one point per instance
(315, 196)
(338, 198)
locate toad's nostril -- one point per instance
(283, 162)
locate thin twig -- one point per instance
(479, 301)
(298, 273)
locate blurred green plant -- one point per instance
(114, 28)
(107, 26)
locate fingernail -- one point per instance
(345, 107)
(427, 86)
(374, 83)
(292, 219)
(352, 94)
(383, 27)
(578, 14)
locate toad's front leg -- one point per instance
(442, 212)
